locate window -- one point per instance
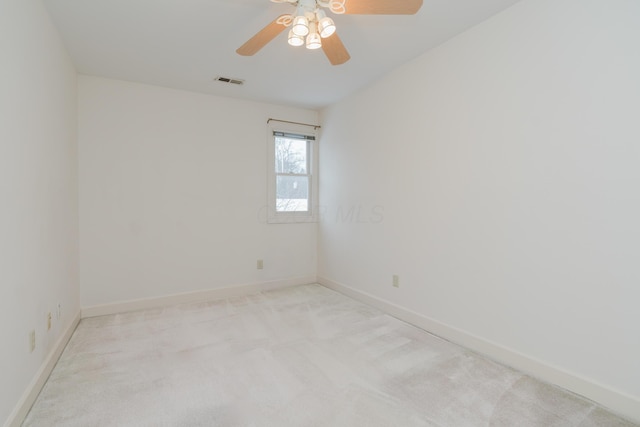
(292, 180)
(292, 172)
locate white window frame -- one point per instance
(311, 215)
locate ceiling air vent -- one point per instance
(229, 80)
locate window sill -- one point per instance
(292, 218)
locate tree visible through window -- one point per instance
(293, 178)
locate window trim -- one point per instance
(311, 215)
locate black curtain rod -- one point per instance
(294, 123)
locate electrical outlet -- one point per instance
(260, 264)
(32, 341)
(49, 321)
(396, 281)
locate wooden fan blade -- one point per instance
(335, 50)
(382, 7)
(260, 40)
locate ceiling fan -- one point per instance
(311, 26)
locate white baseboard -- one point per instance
(621, 403)
(29, 396)
(183, 298)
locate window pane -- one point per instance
(292, 194)
(291, 155)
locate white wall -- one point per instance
(498, 175)
(38, 194)
(172, 194)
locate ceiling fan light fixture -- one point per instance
(294, 39)
(311, 26)
(300, 26)
(313, 39)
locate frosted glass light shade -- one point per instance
(294, 39)
(300, 26)
(326, 27)
(314, 41)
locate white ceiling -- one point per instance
(184, 44)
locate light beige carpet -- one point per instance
(302, 356)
